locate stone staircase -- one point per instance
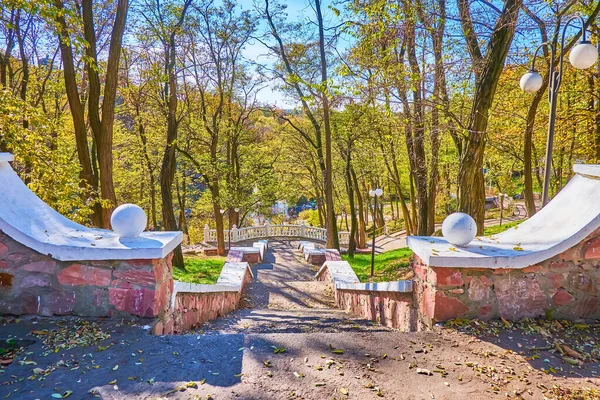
(285, 298)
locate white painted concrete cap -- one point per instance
(6, 157)
(569, 218)
(31, 222)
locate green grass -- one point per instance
(496, 229)
(200, 269)
(389, 266)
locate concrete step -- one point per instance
(260, 321)
(300, 295)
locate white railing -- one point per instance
(266, 231)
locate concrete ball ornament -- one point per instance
(128, 220)
(459, 229)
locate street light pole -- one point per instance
(374, 193)
(582, 56)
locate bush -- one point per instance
(310, 216)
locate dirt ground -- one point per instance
(131, 364)
(291, 344)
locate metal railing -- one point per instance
(266, 231)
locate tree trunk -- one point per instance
(350, 191)
(418, 134)
(361, 234)
(167, 170)
(488, 68)
(77, 112)
(332, 234)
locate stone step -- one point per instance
(260, 321)
(299, 295)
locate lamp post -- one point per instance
(375, 194)
(582, 56)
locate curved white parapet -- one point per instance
(569, 218)
(31, 222)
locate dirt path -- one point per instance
(293, 345)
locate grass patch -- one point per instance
(200, 269)
(496, 229)
(389, 266)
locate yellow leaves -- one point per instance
(278, 350)
(335, 351)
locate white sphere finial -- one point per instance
(128, 220)
(459, 229)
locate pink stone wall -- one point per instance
(193, 309)
(567, 285)
(391, 309)
(32, 283)
(316, 259)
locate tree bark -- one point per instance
(88, 182)
(488, 68)
(332, 234)
(167, 170)
(361, 234)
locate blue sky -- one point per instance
(297, 10)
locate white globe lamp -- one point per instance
(584, 55)
(531, 82)
(378, 192)
(459, 229)
(128, 220)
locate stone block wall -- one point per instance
(192, 309)
(392, 309)
(32, 283)
(567, 285)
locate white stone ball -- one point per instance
(128, 220)
(459, 229)
(531, 82)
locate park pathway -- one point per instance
(284, 297)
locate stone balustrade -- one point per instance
(272, 231)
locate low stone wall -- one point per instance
(387, 303)
(251, 255)
(193, 304)
(32, 283)
(191, 309)
(566, 285)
